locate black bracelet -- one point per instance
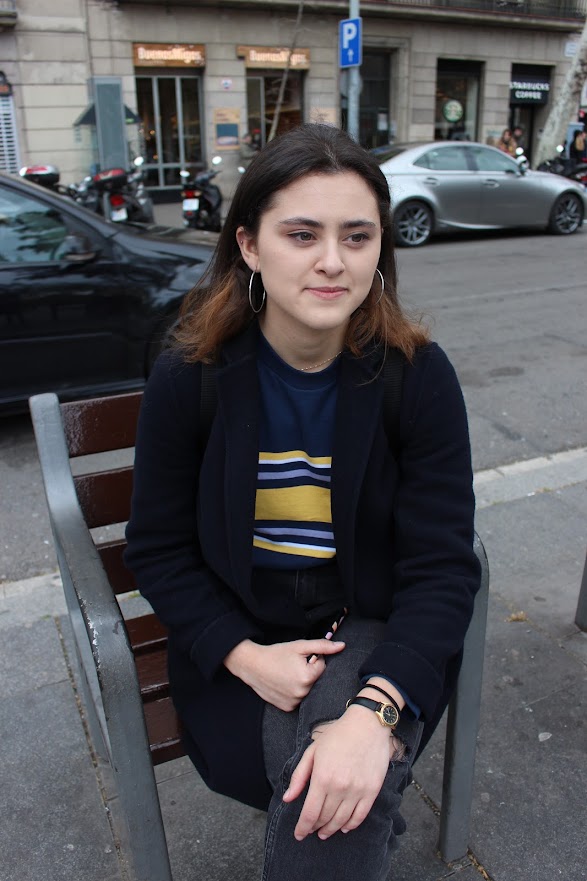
(388, 696)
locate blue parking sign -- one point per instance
(350, 42)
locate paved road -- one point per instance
(508, 309)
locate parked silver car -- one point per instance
(451, 185)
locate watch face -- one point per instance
(390, 715)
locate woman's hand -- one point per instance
(280, 673)
(346, 765)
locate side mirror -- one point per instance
(184, 174)
(76, 248)
(138, 161)
(216, 160)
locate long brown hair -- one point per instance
(218, 308)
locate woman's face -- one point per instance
(317, 250)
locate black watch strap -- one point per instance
(388, 696)
(386, 713)
(365, 702)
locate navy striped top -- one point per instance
(293, 519)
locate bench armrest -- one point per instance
(100, 634)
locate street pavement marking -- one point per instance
(530, 476)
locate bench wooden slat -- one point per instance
(118, 575)
(101, 424)
(164, 730)
(146, 634)
(152, 673)
(104, 496)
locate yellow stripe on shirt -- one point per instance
(300, 503)
(295, 550)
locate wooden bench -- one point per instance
(123, 664)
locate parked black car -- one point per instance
(84, 304)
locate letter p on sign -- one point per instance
(350, 42)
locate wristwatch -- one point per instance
(386, 713)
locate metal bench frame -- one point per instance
(111, 689)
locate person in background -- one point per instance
(507, 142)
(248, 149)
(315, 574)
(519, 137)
(578, 148)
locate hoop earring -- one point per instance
(382, 287)
(256, 311)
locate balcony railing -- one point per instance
(561, 9)
(514, 10)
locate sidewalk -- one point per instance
(529, 813)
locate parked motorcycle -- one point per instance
(115, 193)
(47, 176)
(201, 199)
(560, 164)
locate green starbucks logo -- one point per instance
(453, 110)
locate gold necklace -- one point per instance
(320, 363)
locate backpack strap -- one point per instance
(208, 402)
(393, 371)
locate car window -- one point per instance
(493, 160)
(388, 151)
(449, 158)
(31, 231)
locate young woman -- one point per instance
(578, 148)
(507, 142)
(300, 509)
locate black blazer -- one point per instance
(403, 533)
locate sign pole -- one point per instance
(354, 84)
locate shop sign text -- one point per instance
(267, 56)
(165, 55)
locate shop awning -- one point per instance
(88, 117)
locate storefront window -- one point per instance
(262, 95)
(169, 109)
(457, 100)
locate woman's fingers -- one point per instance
(301, 775)
(280, 673)
(350, 759)
(339, 818)
(311, 817)
(358, 815)
(320, 646)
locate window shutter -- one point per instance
(9, 154)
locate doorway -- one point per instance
(262, 94)
(169, 108)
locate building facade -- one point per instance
(90, 83)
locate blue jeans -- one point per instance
(365, 853)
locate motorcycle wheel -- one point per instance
(566, 216)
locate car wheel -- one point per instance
(567, 215)
(413, 223)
